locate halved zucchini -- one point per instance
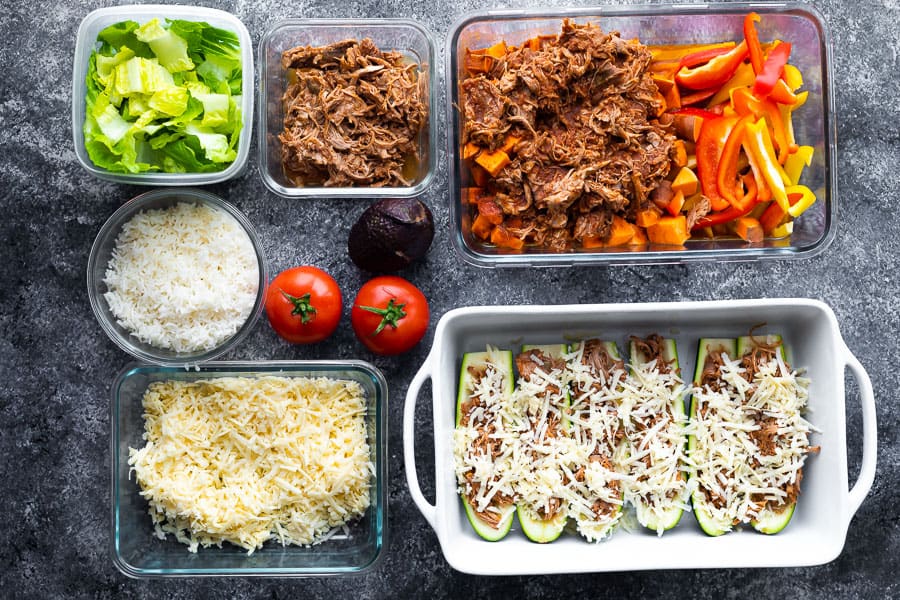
(613, 351)
(769, 521)
(671, 517)
(708, 523)
(502, 360)
(535, 528)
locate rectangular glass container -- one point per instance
(814, 123)
(409, 38)
(137, 552)
(85, 44)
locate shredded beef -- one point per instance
(591, 143)
(352, 116)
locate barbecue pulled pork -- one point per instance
(587, 114)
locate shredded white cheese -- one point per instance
(727, 458)
(249, 460)
(652, 413)
(183, 278)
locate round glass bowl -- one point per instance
(102, 250)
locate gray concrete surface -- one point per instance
(57, 365)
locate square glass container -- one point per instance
(86, 42)
(814, 123)
(137, 552)
(408, 37)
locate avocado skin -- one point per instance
(391, 234)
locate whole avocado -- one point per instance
(390, 234)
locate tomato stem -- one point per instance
(302, 306)
(389, 315)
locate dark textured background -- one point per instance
(57, 365)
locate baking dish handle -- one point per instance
(409, 454)
(870, 434)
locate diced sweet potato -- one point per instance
(647, 217)
(685, 181)
(669, 231)
(493, 162)
(502, 237)
(481, 227)
(748, 229)
(470, 150)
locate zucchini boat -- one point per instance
(750, 440)
(709, 353)
(485, 390)
(597, 373)
(543, 391)
(654, 420)
(769, 520)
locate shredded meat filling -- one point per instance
(353, 115)
(592, 143)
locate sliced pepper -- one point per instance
(752, 39)
(782, 93)
(726, 174)
(714, 73)
(792, 77)
(746, 103)
(758, 144)
(743, 77)
(772, 69)
(793, 168)
(713, 136)
(717, 218)
(800, 198)
(703, 56)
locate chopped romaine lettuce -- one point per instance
(164, 98)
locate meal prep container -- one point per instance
(101, 252)
(86, 42)
(137, 552)
(815, 535)
(814, 123)
(408, 37)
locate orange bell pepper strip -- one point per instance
(758, 144)
(752, 38)
(713, 136)
(726, 174)
(703, 56)
(782, 93)
(772, 69)
(714, 73)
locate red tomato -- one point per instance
(390, 315)
(304, 305)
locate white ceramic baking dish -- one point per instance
(818, 529)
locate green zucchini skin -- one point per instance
(769, 522)
(536, 529)
(670, 354)
(505, 365)
(707, 523)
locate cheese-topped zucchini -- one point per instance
(653, 417)
(597, 374)
(484, 441)
(750, 439)
(542, 393)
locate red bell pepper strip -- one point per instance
(772, 69)
(710, 143)
(726, 175)
(717, 218)
(752, 39)
(716, 72)
(703, 56)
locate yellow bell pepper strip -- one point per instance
(714, 73)
(743, 77)
(782, 94)
(800, 198)
(726, 175)
(752, 38)
(746, 103)
(795, 163)
(758, 144)
(792, 77)
(763, 193)
(788, 120)
(713, 136)
(772, 69)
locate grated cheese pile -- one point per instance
(248, 460)
(183, 278)
(652, 411)
(728, 460)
